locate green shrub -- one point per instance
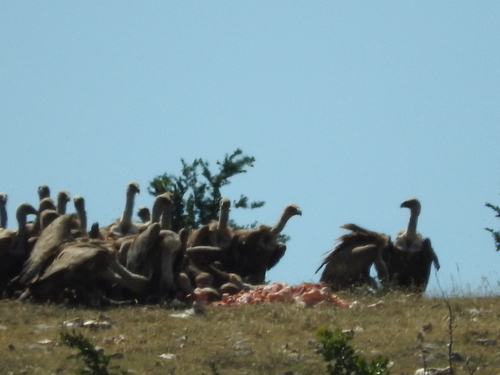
(96, 362)
(334, 348)
(196, 192)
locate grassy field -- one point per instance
(260, 339)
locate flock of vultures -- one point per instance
(56, 257)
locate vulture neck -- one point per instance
(82, 215)
(61, 204)
(223, 218)
(280, 225)
(21, 219)
(3, 216)
(126, 219)
(411, 230)
(166, 216)
(157, 210)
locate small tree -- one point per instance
(495, 234)
(197, 191)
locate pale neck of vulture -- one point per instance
(224, 214)
(126, 219)
(62, 199)
(158, 204)
(411, 230)
(3, 211)
(288, 212)
(166, 216)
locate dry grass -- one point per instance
(262, 339)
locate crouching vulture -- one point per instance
(64, 264)
(348, 264)
(79, 272)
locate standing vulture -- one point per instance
(252, 252)
(410, 258)
(404, 263)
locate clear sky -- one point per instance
(348, 107)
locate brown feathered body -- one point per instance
(348, 264)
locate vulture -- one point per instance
(140, 255)
(48, 245)
(172, 245)
(207, 249)
(403, 263)
(216, 233)
(125, 244)
(14, 247)
(15, 241)
(124, 226)
(152, 253)
(3, 210)
(61, 262)
(252, 252)
(348, 263)
(79, 271)
(45, 204)
(62, 200)
(410, 258)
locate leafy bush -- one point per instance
(334, 347)
(96, 362)
(197, 191)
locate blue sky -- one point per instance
(348, 107)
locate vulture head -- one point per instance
(144, 214)
(413, 204)
(79, 203)
(43, 191)
(62, 200)
(292, 210)
(132, 189)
